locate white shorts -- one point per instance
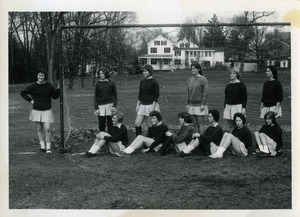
(41, 116)
(230, 110)
(105, 110)
(144, 110)
(243, 149)
(195, 110)
(179, 147)
(273, 109)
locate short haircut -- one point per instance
(272, 116)
(215, 114)
(104, 70)
(197, 66)
(43, 71)
(156, 114)
(186, 117)
(120, 116)
(240, 115)
(236, 71)
(149, 68)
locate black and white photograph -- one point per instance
(165, 108)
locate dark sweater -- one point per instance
(41, 94)
(272, 93)
(148, 91)
(157, 133)
(244, 135)
(117, 134)
(184, 134)
(105, 93)
(212, 134)
(274, 132)
(236, 93)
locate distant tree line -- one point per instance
(33, 42)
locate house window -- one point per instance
(178, 53)
(156, 42)
(153, 61)
(181, 45)
(191, 53)
(177, 62)
(167, 50)
(153, 50)
(209, 53)
(206, 53)
(206, 63)
(163, 42)
(195, 53)
(166, 61)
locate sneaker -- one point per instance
(42, 150)
(49, 151)
(216, 155)
(122, 154)
(89, 154)
(263, 155)
(257, 151)
(182, 154)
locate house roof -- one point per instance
(160, 37)
(156, 56)
(199, 49)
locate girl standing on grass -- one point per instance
(235, 97)
(116, 137)
(236, 142)
(269, 137)
(272, 94)
(147, 98)
(210, 140)
(197, 96)
(154, 138)
(105, 99)
(181, 138)
(39, 94)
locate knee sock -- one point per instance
(167, 142)
(219, 151)
(102, 122)
(42, 143)
(138, 131)
(109, 122)
(188, 149)
(94, 149)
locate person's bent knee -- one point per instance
(256, 133)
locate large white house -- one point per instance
(166, 55)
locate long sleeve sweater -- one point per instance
(105, 93)
(272, 93)
(274, 132)
(184, 134)
(117, 134)
(236, 93)
(212, 134)
(41, 94)
(197, 90)
(148, 91)
(157, 133)
(244, 135)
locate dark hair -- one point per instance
(241, 116)
(120, 116)
(272, 116)
(104, 70)
(273, 69)
(149, 68)
(43, 71)
(197, 66)
(156, 114)
(186, 117)
(215, 114)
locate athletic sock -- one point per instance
(261, 148)
(138, 131)
(128, 150)
(188, 149)
(48, 146)
(43, 146)
(94, 149)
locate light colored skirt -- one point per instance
(243, 148)
(273, 109)
(144, 110)
(115, 147)
(230, 110)
(180, 146)
(41, 116)
(105, 110)
(195, 110)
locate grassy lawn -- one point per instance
(145, 181)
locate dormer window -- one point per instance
(156, 42)
(163, 42)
